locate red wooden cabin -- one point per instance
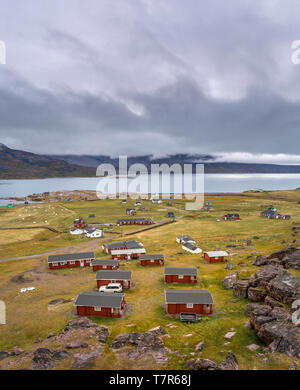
(107, 265)
(70, 260)
(80, 223)
(108, 247)
(134, 221)
(151, 260)
(180, 275)
(127, 254)
(215, 256)
(123, 277)
(231, 217)
(100, 304)
(188, 301)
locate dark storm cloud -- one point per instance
(140, 77)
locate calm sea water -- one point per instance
(212, 183)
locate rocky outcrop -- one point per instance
(82, 361)
(76, 344)
(240, 288)
(274, 328)
(144, 343)
(45, 359)
(230, 363)
(255, 294)
(270, 282)
(288, 257)
(230, 280)
(3, 355)
(202, 364)
(84, 323)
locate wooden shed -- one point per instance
(180, 275)
(188, 301)
(100, 304)
(123, 277)
(215, 256)
(70, 260)
(151, 260)
(107, 265)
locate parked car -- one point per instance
(111, 287)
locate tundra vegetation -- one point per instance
(30, 318)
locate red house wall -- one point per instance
(105, 311)
(106, 282)
(148, 262)
(68, 265)
(175, 279)
(108, 267)
(124, 256)
(220, 259)
(173, 308)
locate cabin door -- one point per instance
(81, 263)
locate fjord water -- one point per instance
(212, 183)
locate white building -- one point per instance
(76, 231)
(93, 233)
(191, 248)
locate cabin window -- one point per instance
(113, 281)
(62, 263)
(114, 310)
(217, 258)
(189, 305)
(104, 266)
(97, 308)
(180, 276)
(55, 264)
(152, 260)
(72, 262)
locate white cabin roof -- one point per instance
(217, 254)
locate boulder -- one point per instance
(80, 323)
(45, 359)
(282, 253)
(102, 333)
(256, 295)
(76, 344)
(202, 364)
(229, 335)
(158, 330)
(260, 260)
(229, 266)
(253, 347)
(16, 351)
(3, 355)
(199, 347)
(285, 288)
(240, 288)
(263, 276)
(143, 340)
(83, 360)
(230, 363)
(272, 302)
(230, 280)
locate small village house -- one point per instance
(215, 256)
(107, 265)
(182, 239)
(127, 254)
(71, 260)
(130, 244)
(76, 231)
(231, 217)
(188, 301)
(91, 232)
(80, 223)
(187, 246)
(180, 275)
(130, 211)
(134, 221)
(151, 259)
(123, 277)
(100, 304)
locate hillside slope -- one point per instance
(17, 164)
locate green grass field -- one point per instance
(28, 317)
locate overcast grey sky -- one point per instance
(151, 76)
